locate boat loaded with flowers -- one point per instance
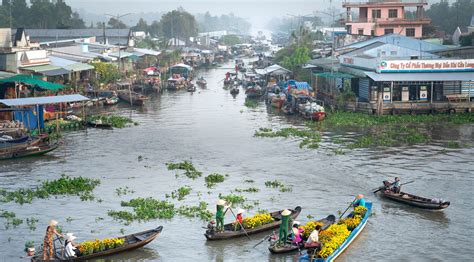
(338, 237)
(256, 224)
(99, 248)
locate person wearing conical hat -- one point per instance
(48, 240)
(220, 207)
(71, 250)
(285, 219)
(360, 201)
(239, 219)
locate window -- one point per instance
(376, 13)
(372, 32)
(392, 13)
(361, 31)
(388, 31)
(410, 32)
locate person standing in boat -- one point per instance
(48, 245)
(396, 186)
(285, 220)
(221, 208)
(360, 201)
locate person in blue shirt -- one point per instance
(360, 201)
(396, 186)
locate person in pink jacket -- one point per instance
(296, 232)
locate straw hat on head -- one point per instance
(359, 196)
(53, 222)
(70, 237)
(240, 211)
(220, 202)
(286, 212)
(296, 223)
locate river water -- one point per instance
(215, 131)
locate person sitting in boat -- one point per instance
(313, 239)
(296, 232)
(239, 219)
(71, 249)
(396, 186)
(48, 245)
(285, 220)
(360, 201)
(221, 208)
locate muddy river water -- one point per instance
(216, 132)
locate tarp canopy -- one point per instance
(190, 68)
(334, 75)
(33, 81)
(43, 100)
(454, 76)
(299, 85)
(273, 70)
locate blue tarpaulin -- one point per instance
(29, 117)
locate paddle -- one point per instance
(348, 207)
(265, 238)
(380, 188)
(240, 223)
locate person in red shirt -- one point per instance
(239, 220)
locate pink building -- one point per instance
(380, 17)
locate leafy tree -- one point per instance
(155, 28)
(141, 26)
(207, 22)
(115, 23)
(230, 40)
(467, 40)
(301, 55)
(178, 24)
(448, 17)
(148, 43)
(106, 72)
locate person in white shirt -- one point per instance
(71, 249)
(313, 238)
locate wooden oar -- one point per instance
(240, 223)
(382, 187)
(265, 238)
(348, 208)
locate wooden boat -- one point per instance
(13, 140)
(315, 116)
(201, 82)
(230, 233)
(99, 125)
(191, 88)
(132, 242)
(132, 97)
(354, 234)
(31, 141)
(415, 201)
(234, 91)
(109, 101)
(29, 151)
(290, 247)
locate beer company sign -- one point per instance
(458, 65)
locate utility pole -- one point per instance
(117, 17)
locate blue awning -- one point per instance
(43, 100)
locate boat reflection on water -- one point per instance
(431, 215)
(141, 254)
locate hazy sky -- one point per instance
(257, 12)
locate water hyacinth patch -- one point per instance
(123, 191)
(190, 170)
(181, 192)
(65, 185)
(150, 208)
(233, 199)
(213, 179)
(114, 120)
(199, 211)
(247, 190)
(311, 138)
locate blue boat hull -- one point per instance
(347, 242)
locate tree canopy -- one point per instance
(178, 24)
(115, 23)
(448, 17)
(41, 14)
(208, 23)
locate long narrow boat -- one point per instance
(230, 233)
(132, 97)
(31, 141)
(290, 246)
(132, 242)
(347, 242)
(29, 151)
(415, 201)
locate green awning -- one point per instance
(33, 81)
(40, 68)
(334, 75)
(79, 67)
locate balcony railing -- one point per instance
(349, 3)
(422, 20)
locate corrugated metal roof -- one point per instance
(76, 33)
(122, 54)
(147, 51)
(62, 62)
(399, 40)
(79, 67)
(40, 68)
(43, 100)
(56, 72)
(468, 76)
(6, 74)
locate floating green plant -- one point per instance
(123, 191)
(232, 198)
(114, 120)
(199, 211)
(247, 190)
(188, 167)
(181, 192)
(213, 179)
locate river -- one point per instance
(216, 132)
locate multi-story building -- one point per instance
(380, 17)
